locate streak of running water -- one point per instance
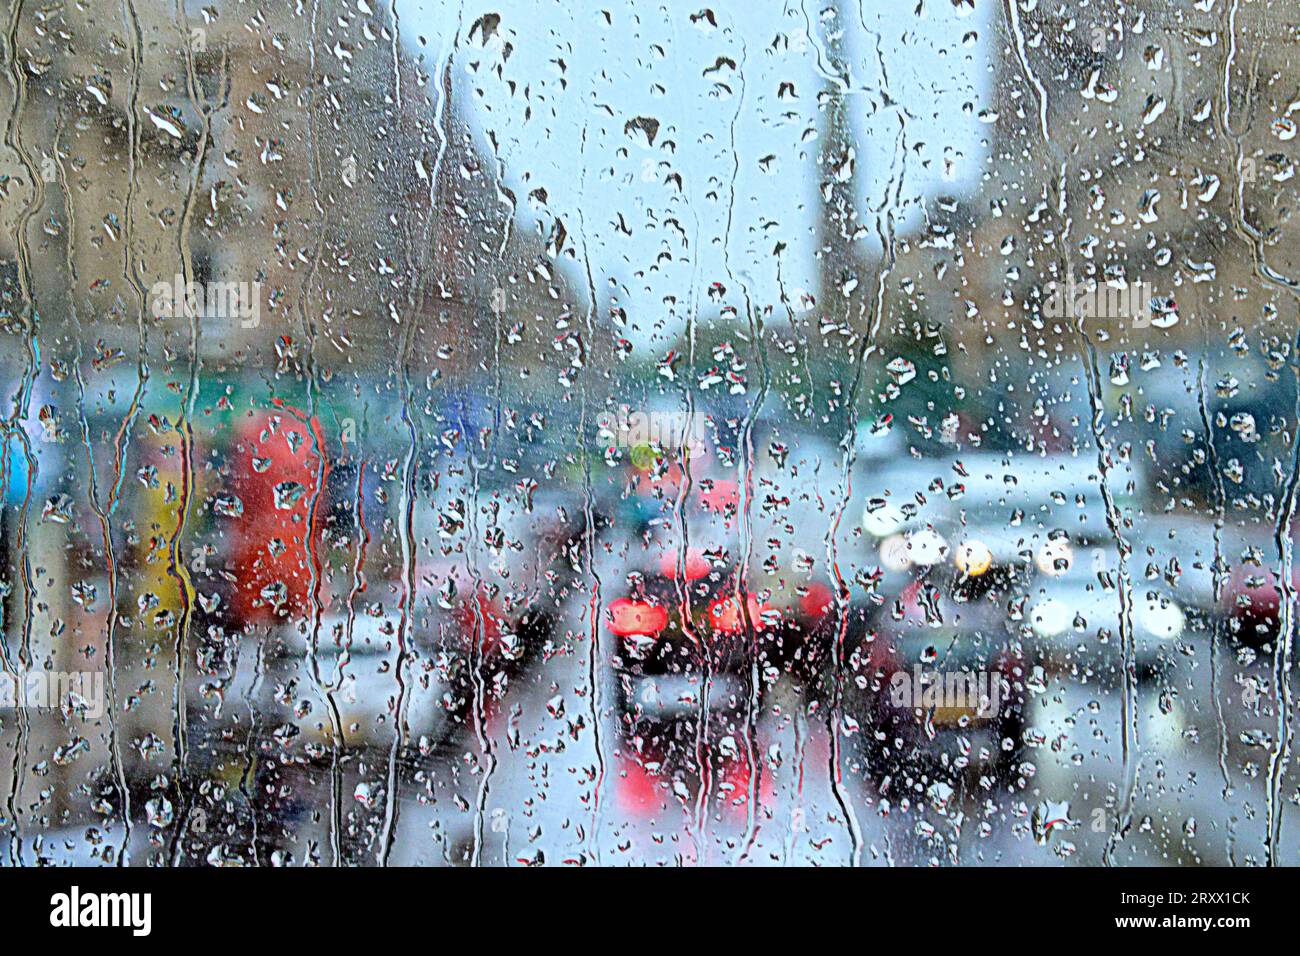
(1114, 521)
(685, 611)
(885, 231)
(1022, 55)
(885, 222)
(130, 270)
(394, 46)
(250, 748)
(1129, 741)
(177, 569)
(682, 590)
(406, 531)
(1267, 275)
(358, 586)
(14, 429)
(478, 649)
(797, 812)
(1279, 757)
(595, 657)
(745, 487)
(595, 606)
(101, 513)
(479, 637)
(1128, 716)
(415, 286)
(1230, 57)
(1216, 573)
(319, 453)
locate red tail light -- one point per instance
(697, 565)
(724, 615)
(628, 617)
(817, 601)
(721, 496)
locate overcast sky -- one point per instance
(734, 91)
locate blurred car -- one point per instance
(939, 689)
(987, 512)
(682, 658)
(1078, 622)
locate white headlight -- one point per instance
(973, 558)
(1050, 618)
(926, 547)
(1161, 617)
(1055, 557)
(893, 553)
(882, 521)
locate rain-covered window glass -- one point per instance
(514, 433)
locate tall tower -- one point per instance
(838, 177)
